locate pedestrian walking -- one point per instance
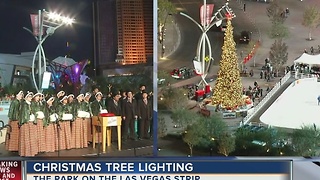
(318, 100)
(261, 74)
(266, 61)
(265, 74)
(287, 11)
(244, 7)
(251, 73)
(312, 50)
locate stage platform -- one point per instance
(130, 148)
(296, 107)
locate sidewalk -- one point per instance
(172, 41)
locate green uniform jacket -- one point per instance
(56, 102)
(78, 106)
(87, 107)
(37, 106)
(64, 109)
(25, 112)
(96, 106)
(47, 112)
(14, 110)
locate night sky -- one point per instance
(15, 14)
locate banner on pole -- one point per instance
(205, 17)
(197, 67)
(35, 24)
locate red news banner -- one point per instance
(10, 170)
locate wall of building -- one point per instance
(106, 30)
(124, 32)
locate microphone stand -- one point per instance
(58, 134)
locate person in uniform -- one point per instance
(123, 97)
(97, 106)
(70, 98)
(12, 138)
(94, 92)
(145, 116)
(43, 101)
(64, 111)
(60, 95)
(38, 108)
(28, 129)
(114, 107)
(77, 125)
(129, 116)
(50, 125)
(138, 96)
(87, 120)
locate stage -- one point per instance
(297, 106)
(130, 148)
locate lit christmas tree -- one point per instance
(228, 88)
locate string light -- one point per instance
(228, 87)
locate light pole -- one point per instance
(162, 34)
(49, 22)
(223, 13)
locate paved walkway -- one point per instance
(172, 38)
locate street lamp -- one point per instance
(44, 21)
(223, 13)
(162, 34)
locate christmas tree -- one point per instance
(228, 88)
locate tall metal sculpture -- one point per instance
(204, 56)
(41, 22)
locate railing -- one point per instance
(304, 75)
(265, 99)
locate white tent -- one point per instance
(308, 59)
(64, 61)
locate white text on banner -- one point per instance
(158, 177)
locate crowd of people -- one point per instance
(49, 123)
(253, 92)
(312, 50)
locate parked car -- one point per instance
(244, 37)
(182, 73)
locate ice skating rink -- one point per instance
(296, 106)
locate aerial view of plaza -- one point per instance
(238, 78)
(76, 78)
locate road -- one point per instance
(190, 34)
